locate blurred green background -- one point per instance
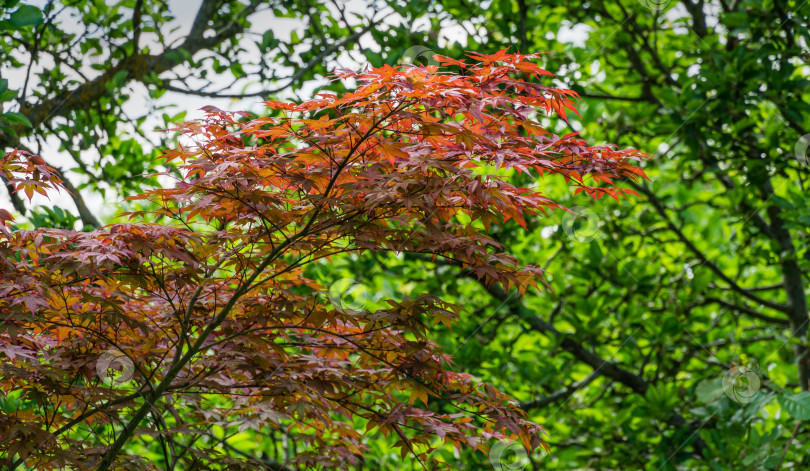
(676, 335)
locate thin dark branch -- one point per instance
(291, 80)
(561, 394)
(748, 311)
(700, 255)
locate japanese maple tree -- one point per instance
(212, 309)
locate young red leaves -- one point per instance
(214, 312)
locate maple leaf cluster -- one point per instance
(213, 309)
(22, 171)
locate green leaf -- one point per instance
(8, 95)
(797, 405)
(782, 203)
(269, 39)
(701, 281)
(17, 118)
(26, 15)
(120, 77)
(709, 390)
(595, 254)
(3, 85)
(173, 56)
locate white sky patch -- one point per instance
(548, 231)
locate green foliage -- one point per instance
(53, 217)
(683, 294)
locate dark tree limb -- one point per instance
(748, 311)
(794, 285)
(16, 201)
(600, 365)
(84, 212)
(561, 394)
(640, 99)
(659, 207)
(292, 79)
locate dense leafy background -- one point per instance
(655, 302)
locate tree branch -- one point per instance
(561, 394)
(16, 201)
(137, 67)
(700, 255)
(747, 311)
(297, 75)
(84, 212)
(794, 285)
(613, 97)
(599, 364)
